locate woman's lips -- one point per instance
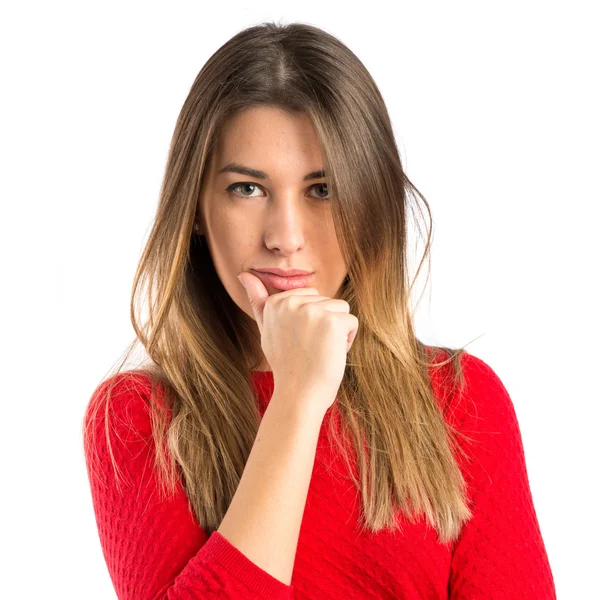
(284, 283)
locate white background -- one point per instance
(495, 108)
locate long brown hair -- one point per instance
(201, 346)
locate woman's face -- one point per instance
(277, 219)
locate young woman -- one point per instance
(288, 435)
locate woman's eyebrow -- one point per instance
(243, 170)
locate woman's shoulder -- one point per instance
(467, 386)
(482, 384)
(124, 398)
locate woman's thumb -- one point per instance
(257, 294)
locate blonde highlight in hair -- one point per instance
(399, 450)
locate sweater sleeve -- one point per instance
(500, 553)
(153, 547)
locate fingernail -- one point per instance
(241, 281)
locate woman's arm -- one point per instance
(263, 520)
(500, 552)
(154, 548)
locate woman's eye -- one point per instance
(322, 185)
(235, 186)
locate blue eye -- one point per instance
(231, 189)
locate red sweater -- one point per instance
(156, 550)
